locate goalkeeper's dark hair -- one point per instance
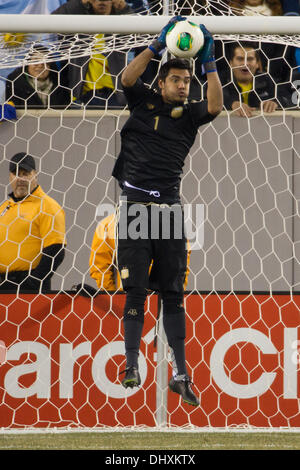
(182, 64)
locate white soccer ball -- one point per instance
(184, 39)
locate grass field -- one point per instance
(151, 441)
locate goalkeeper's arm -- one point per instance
(214, 87)
(136, 68)
(138, 65)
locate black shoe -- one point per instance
(184, 389)
(132, 377)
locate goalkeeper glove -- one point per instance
(207, 54)
(160, 43)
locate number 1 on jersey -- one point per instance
(156, 119)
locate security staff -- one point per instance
(32, 231)
(103, 256)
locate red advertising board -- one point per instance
(61, 357)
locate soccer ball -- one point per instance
(184, 39)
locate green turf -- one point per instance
(151, 441)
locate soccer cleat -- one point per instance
(183, 388)
(132, 377)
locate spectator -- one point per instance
(257, 7)
(250, 88)
(32, 231)
(94, 80)
(290, 7)
(103, 267)
(17, 40)
(276, 58)
(38, 84)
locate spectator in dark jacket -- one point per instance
(277, 58)
(37, 84)
(290, 7)
(94, 79)
(250, 88)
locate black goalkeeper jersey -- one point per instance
(155, 141)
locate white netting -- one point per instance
(61, 353)
(62, 47)
(16, 48)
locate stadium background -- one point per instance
(246, 175)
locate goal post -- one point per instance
(146, 24)
(61, 353)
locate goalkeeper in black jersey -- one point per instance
(154, 144)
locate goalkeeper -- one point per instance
(154, 144)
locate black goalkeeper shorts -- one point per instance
(151, 246)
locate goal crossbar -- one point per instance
(140, 24)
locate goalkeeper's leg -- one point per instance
(174, 325)
(134, 257)
(133, 328)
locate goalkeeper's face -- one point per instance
(176, 86)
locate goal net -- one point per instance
(61, 350)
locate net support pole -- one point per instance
(161, 341)
(161, 371)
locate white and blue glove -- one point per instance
(207, 54)
(160, 43)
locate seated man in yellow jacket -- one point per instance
(103, 263)
(32, 231)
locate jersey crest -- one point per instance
(125, 273)
(177, 112)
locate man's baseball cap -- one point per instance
(21, 160)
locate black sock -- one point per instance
(133, 324)
(133, 333)
(174, 325)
